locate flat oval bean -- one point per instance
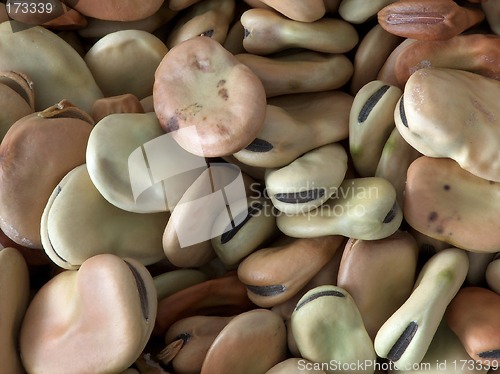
(308, 181)
(468, 133)
(269, 283)
(299, 71)
(54, 66)
(362, 208)
(113, 62)
(406, 335)
(55, 140)
(96, 319)
(268, 32)
(447, 203)
(225, 118)
(379, 275)
(295, 124)
(257, 340)
(493, 274)
(78, 223)
(327, 327)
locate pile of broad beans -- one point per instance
(258, 186)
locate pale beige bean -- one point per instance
(359, 11)
(296, 124)
(362, 208)
(15, 294)
(113, 62)
(251, 227)
(493, 274)
(406, 336)
(54, 66)
(128, 144)
(371, 121)
(299, 71)
(327, 275)
(256, 339)
(443, 356)
(371, 54)
(379, 275)
(327, 327)
(308, 181)
(267, 32)
(467, 133)
(78, 223)
(210, 18)
(397, 156)
(187, 241)
(449, 204)
(94, 320)
(274, 274)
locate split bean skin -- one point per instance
(363, 139)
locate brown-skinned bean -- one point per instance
(195, 335)
(267, 286)
(257, 340)
(476, 53)
(379, 275)
(474, 315)
(428, 19)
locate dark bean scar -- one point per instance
(246, 34)
(490, 354)
(403, 342)
(317, 296)
(232, 230)
(371, 102)
(184, 336)
(402, 113)
(141, 287)
(208, 33)
(259, 146)
(391, 214)
(267, 290)
(446, 187)
(300, 197)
